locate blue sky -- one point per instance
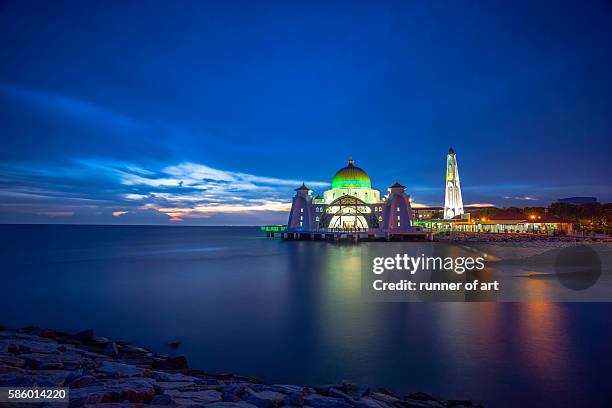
(212, 112)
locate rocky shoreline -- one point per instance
(490, 237)
(102, 373)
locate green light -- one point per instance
(351, 176)
(273, 228)
(350, 184)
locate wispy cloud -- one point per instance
(522, 198)
(124, 191)
(73, 108)
(497, 187)
(199, 176)
(193, 190)
(54, 214)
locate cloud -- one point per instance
(193, 190)
(132, 196)
(201, 176)
(125, 192)
(76, 109)
(497, 187)
(522, 198)
(53, 214)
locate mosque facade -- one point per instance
(352, 205)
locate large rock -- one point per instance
(319, 401)
(264, 399)
(40, 361)
(460, 403)
(12, 369)
(94, 355)
(23, 336)
(240, 404)
(129, 389)
(27, 378)
(111, 349)
(130, 349)
(194, 397)
(324, 389)
(161, 399)
(21, 345)
(174, 385)
(294, 399)
(82, 381)
(233, 392)
(116, 405)
(163, 376)
(100, 342)
(336, 393)
(230, 397)
(137, 360)
(16, 380)
(421, 396)
(286, 388)
(356, 391)
(410, 403)
(389, 399)
(115, 370)
(12, 361)
(368, 402)
(172, 363)
(84, 337)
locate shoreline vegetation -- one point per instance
(102, 373)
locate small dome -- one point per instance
(351, 176)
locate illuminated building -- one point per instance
(453, 203)
(502, 222)
(353, 209)
(352, 206)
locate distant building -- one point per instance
(423, 212)
(351, 205)
(453, 203)
(578, 200)
(503, 221)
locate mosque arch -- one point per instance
(348, 213)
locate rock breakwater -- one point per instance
(102, 373)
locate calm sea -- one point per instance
(292, 312)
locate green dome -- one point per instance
(351, 176)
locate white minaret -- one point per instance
(453, 204)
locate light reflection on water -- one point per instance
(293, 312)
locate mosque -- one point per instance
(352, 207)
